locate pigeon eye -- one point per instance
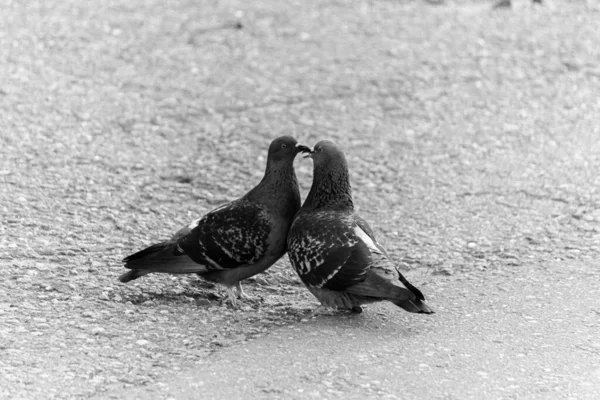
(283, 146)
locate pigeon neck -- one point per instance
(279, 176)
(278, 170)
(330, 190)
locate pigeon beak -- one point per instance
(303, 149)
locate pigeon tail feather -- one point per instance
(410, 299)
(132, 275)
(160, 257)
(153, 249)
(414, 306)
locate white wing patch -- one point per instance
(211, 261)
(330, 276)
(220, 207)
(366, 239)
(194, 224)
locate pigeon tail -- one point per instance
(418, 304)
(414, 306)
(132, 275)
(160, 257)
(140, 255)
(377, 287)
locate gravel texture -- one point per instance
(472, 136)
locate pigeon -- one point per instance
(334, 250)
(237, 240)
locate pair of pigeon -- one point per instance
(333, 250)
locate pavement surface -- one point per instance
(528, 333)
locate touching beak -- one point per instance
(304, 149)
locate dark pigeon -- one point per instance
(335, 252)
(237, 240)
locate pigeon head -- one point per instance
(326, 152)
(280, 175)
(331, 180)
(285, 148)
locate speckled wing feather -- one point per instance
(326, 252)
(228, 237)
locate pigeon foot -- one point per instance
(240, 292)
(231, 297)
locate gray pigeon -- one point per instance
(237, 240)
(335, 252)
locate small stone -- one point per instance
(142, 342)
(97, 330)
(445, 270)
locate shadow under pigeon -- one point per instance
(184, 297)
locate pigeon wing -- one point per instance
(228, 237)
(325, 251)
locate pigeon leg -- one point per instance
(231, 297)
(240, 292)
(317, 311)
